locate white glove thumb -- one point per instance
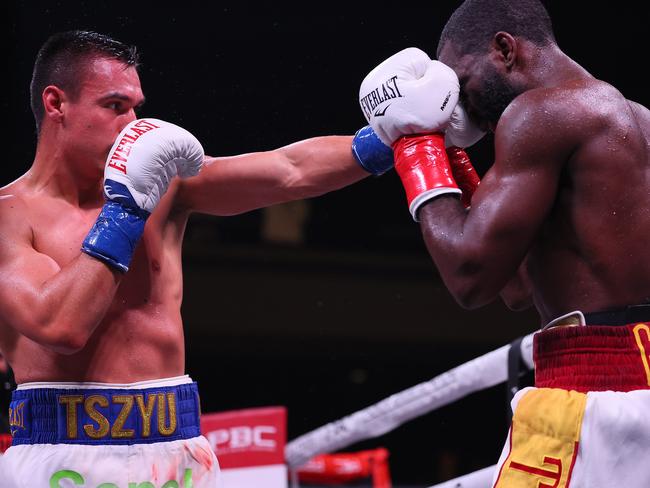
(462, 132)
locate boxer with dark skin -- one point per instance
(66, 316)
(570, 185)
(567, 200)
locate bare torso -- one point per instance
(593, 250)
(141, 336)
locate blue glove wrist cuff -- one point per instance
(372, 154)
(115, 234)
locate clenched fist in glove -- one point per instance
(410, 101)
(145, 157)
(408, 94)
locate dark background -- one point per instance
(353, 310)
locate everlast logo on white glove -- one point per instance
(123, 147)
(147, 155)
(408, 93)
(386, 91)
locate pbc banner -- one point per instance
(249, 445)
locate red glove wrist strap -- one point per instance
(422, 163)
(464, 173)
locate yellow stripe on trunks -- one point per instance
(544, 439)
(645, 354)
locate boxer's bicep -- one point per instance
(518, 192)
(508, 209)
(507, 213)
(512, 202)
(23, 270)
(56, 307)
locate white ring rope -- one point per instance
(479, 373)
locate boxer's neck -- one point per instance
(55, 173)
(549, 66)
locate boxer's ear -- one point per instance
(53, 100)
(505, 47)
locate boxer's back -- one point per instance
(592, 253)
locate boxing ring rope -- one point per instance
(480, 373)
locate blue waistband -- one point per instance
(104, 416)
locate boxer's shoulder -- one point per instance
(535, 116)
(18, 196)
(564, 114)
(15, 189)
(14, 209)
(15, 224)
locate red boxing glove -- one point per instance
(423, 165)
(464, 173)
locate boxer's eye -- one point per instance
(116, 106)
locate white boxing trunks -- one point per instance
(98, 435)
(567, 439)
(587, 424)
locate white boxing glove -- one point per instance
(462, 132)
(145, 157)
(408, 94)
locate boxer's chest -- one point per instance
(58, 231)
(155, 269)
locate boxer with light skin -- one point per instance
(567, 198)
(91, 295)
(56, 298)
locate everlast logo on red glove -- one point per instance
(386, 91)
(123, 149)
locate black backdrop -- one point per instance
(246, 77)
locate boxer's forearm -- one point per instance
(321, 165)
(470, 258)
(237, 184)
(62, 311)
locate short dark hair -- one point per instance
(475, 22)
(62, 59)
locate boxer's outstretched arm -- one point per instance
(237, 184)
(56, 307)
